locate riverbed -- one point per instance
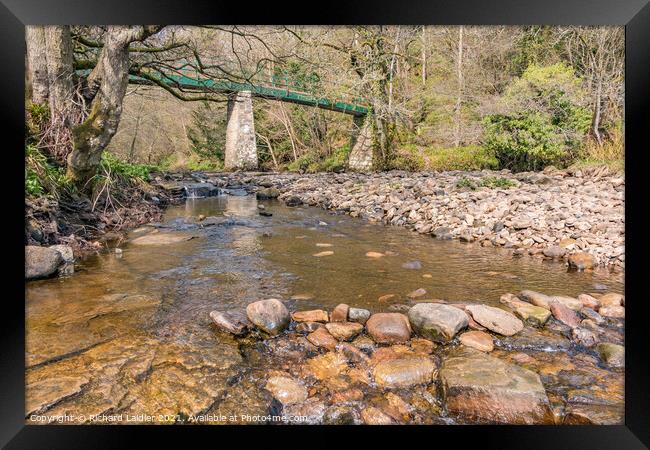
(129, 334)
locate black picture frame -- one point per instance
(633, 14)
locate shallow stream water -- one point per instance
(129, 334)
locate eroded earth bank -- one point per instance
(495, 302)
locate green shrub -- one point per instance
(338, 161)
(111, 164)
(543, 121)
(302, 164)
(497, 182)
(470, 157)
(466, 183)
(409, 158)
(42, 176)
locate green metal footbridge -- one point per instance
(276, 88)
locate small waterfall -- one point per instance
(201, 190)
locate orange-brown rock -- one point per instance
(314, 315)
(389, 328)
(478, 340)
(340, 313)
(322, 338)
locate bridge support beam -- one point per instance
(361, 145)
(241, 145)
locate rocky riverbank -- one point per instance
(463, 361)
(552, 215)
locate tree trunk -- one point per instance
(424, 55)
(37, 80)
(60, 71)
(595, 122)
(459, 97)
(107, 85)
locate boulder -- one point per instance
(41, 262)
(201, 190)
(344, 331)
(569, 302)
(485, 389)
(529, 313)
(233, 322)
(270, 316)
(581, 261)
(66, 252)
(340, 313)
(554, 251)
(495, 319)
(615, 312)
(358, 315)
(267, 193)
(389, 328)
(584, 337)
(404, 372)
(286, 390)
(322, 338)
(536, 298)
(565, 315)
(436, 321)
(314, 315)
(293, 200)
(609, 299)
(478, 340)
(588, 301)
(308, 327)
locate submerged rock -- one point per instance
(286, 390)
(374, 416)
(270, 316)
(389, 328)
(344, 331)
(41, 262)
(233, 322)
(417, 293)
(486, 389)
(322, 338)
(437, 322)
(161, 239)
(581, 261)
(404, 372)
(495, 319)
(612, 354)
(478, 340)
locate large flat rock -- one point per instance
(485, 389)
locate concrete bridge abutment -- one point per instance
(361, 145)
(241, 143)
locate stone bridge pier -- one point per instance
(241, 144)
(361, 145)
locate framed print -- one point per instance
(375, 216)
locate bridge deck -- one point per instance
(268, 92)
